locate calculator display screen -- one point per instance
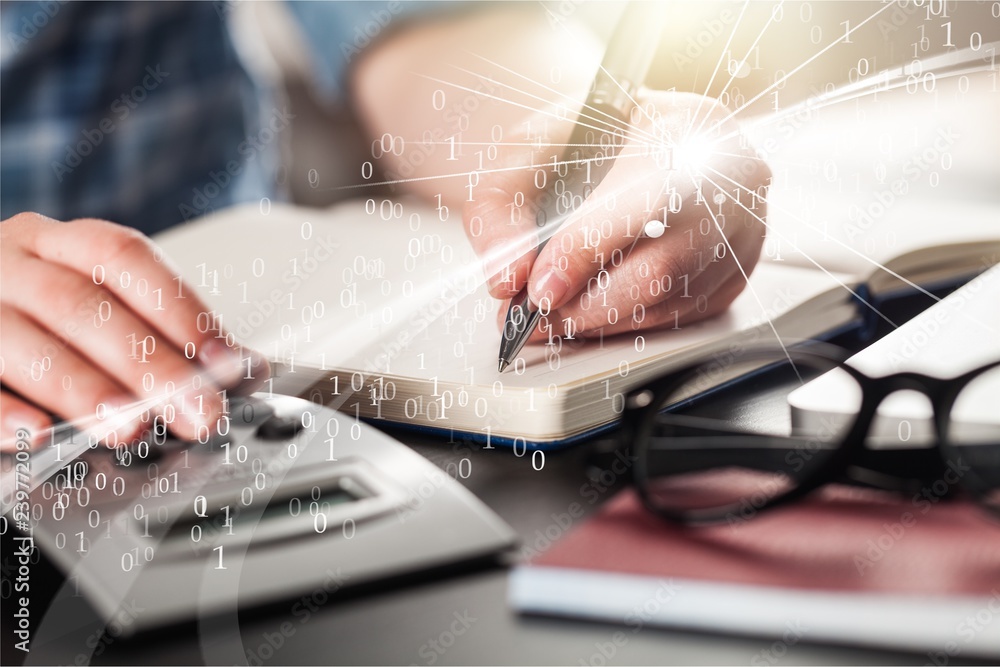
(204, 525)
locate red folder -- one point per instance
(852, 565)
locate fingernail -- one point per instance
(553, 285)
(223, 363)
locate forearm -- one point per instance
(394, 90)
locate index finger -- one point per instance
(499, 218)
(129, 265)
(654, 177)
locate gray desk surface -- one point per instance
(466, 611)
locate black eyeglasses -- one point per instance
(725, 434)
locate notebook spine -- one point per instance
(867, 312)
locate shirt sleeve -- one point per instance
(337, 33)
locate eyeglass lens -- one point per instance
(774, 426)
(715, 453)
(972, 438)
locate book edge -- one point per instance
(913, 622)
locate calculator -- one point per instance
(286, 497)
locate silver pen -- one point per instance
(604, 117)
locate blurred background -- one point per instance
(773, 38)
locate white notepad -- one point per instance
(956, 335)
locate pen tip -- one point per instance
(503, 365)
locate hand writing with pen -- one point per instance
(667, 238)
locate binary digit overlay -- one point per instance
(775, 155)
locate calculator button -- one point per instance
(246, 411)
(280, 427)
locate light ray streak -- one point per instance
(795, 246)
(847, 247)
(761, 159)
(472, 274)
(553, 90)
(847, 34)
(611, 127)
(801, 252)
(732, 75)
(635, 104)
(877, 83)
(718, 64)
(788, 112)
(504, 143)
(507, 101)
(609, 75)
(497, 170)
(746, 277)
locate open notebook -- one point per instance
(395, 324)
(378, 305)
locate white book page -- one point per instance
(405, 297)
(855, 187)
(910, 622)
(956, 335)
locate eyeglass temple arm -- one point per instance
(692, 449)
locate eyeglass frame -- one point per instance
(644, 403)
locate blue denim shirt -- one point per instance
(142, 113)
